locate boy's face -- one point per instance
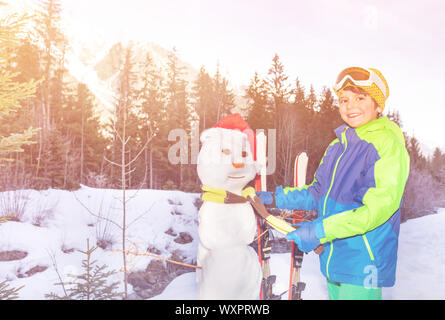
(357, 109)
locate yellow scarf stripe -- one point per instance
(213, 194)
(218, 195)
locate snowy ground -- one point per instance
(67, 219)
(56, 223)
(421, 258)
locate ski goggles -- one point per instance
(360, 77)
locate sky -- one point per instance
(315, 40)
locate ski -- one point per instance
(295, 285)
(264, 247)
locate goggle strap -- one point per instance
(373, 78)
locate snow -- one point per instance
(70, 218)
(66, 224)
(421, 258)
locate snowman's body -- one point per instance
(230, 267)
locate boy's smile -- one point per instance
(357, 109)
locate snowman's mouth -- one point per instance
(232, 177)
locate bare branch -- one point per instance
(131, 171)
(141, 215)
(54, 263)
(118, 135)
(133, 160)
(95, 215)
(120, 199)
(135, 194)
(140, 152)
(112, 162)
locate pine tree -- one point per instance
(52, 44)
(304, 116)
(205, 100)
(24, 63)
(177, 97)
(12, 92)
(260, 110)
(299, 94)
(27, 61)
(278, 86)
(311, 101)
(8, 293)
(224, 97)
(324, 118)
(290, 142)
(395, 116)
(179, 115)
(84, 103)
(415, 153)
(213, 98)
(154, 117)
(314, 151)
(54, 163)
(48, 27)
(329, 115)
(81, 125)
(438, 167)
(92, 284)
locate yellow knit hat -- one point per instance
(373, 90)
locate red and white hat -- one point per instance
(236, 122)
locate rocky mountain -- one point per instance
(98, 64)
(110, 64)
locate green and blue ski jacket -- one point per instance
(357, 191)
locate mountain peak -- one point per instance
(110, 63)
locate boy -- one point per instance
(357, 190)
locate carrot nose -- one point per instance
(238, 165)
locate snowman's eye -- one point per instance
(225, 151)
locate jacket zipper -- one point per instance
(368, 247)
(343, 138)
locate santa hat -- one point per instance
(236, 122)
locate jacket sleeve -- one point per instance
(391, 172)
(306, 197)
(295, 198)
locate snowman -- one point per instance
(226, 162)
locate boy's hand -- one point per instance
(266, 197)
(308, 235)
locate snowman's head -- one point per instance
(226, 159)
